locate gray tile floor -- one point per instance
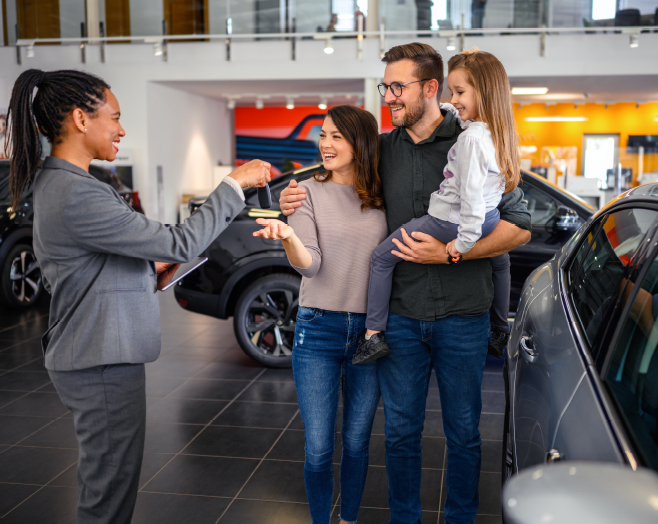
(224, 441)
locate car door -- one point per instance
(554, 404)
(629, 368)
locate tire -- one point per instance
(264, 319)
(21, 284)
(508, 457)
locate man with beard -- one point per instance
(438, 313)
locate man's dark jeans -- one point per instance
(457, 348)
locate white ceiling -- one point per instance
(609, 89)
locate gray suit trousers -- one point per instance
(109, 414)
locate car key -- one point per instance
(264, 197)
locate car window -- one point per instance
(596, 272)
(632, 374)
(541, 206)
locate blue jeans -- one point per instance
(457, 348)
(325, 342)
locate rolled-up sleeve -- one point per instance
(513, 209)
(303, 222)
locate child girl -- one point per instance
(482, 165)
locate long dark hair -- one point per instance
(360, 130)
(58, 93)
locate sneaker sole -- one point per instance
(373, 357)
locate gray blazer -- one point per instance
(94, 251)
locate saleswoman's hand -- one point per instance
(253, 173)
(165, 272)
(274, 229)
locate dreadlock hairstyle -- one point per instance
(494, 106)
(58, 93)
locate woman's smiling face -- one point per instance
(337, 153)
(104, 130)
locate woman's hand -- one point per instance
(291, 197)
(165, 272)
(451, 249)
(253, 173)
(274, 229)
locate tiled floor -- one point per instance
(224, 440)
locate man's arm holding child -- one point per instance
(512, 231)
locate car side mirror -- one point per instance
(567, 219)
(577, 492)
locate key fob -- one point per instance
(264, 197)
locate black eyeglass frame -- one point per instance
(387, 87)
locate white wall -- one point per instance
(187, 135)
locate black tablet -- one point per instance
(185, 269)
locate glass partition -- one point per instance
(63, 18)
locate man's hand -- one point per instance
(165, 272)
(253, 173)
(425, 249)
(291, 197)
(420, 248)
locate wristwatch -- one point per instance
(455, 260)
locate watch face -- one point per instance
(455, 260)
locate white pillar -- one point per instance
(372, 100)
(372, 20)
(93, 19)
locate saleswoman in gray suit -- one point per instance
(96, 255)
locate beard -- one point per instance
(412, 114)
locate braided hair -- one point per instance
(59, 93)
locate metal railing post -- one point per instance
(359, 37)
(101, 31)
(83, 33)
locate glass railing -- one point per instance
(116, 18)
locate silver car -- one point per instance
(582, 369)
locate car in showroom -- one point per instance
(20, 274)
(581, 375)
(249, 278)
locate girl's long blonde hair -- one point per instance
(494, 106)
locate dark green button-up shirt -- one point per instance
(410, 173)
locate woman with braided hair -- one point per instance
(97, 261)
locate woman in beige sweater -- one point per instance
(329, 241)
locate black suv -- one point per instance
(20, 275)
(250, 279)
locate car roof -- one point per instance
(645, 194)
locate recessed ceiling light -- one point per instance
(556, 119)
(529, 90)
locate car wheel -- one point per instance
(509, 460)
(20, 281)
(264, 319)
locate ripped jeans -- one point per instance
(324, 344)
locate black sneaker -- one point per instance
(497, 343)
(370, 350)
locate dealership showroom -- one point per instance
(191, 329)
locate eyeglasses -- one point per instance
(396, 88)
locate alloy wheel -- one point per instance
(25, 277)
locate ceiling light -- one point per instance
(157, 48)
(451, 45)
(259, 103)
(290, 104)
(328, 48)
(231, 103)
(529, 90)
(323, 104)
(556, 119)
(29, 51)
(635, 40)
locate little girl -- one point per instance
(482, 165)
